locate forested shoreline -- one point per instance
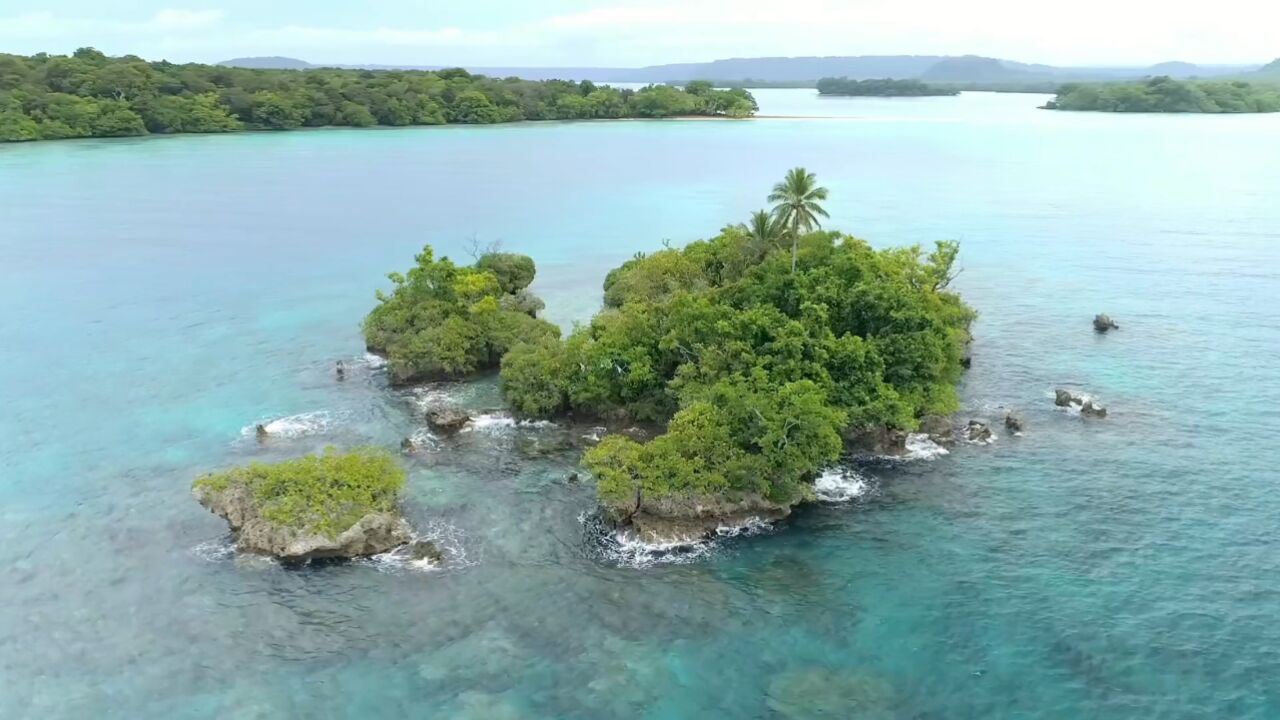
(1167, 95)
(87, 94)
(881, 88)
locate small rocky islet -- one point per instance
(761, 357)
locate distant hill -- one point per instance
(967, 69)
(972, 68)
(1271, 69)
(274, 62)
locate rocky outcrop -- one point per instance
(1088, 408)
(977, 431)
(1102, 323)
(447, 418)
(688, 519)
(372, 534)
(876, 441)
(939, 429)
(1013, 422)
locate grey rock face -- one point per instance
(1102, 323)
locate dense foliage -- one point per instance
(758, 370)
(443, 320)
(88, 94)
(881, 88)
(1166, 95)
(324, 493)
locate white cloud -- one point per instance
(47, 26)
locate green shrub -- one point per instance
(325, 493)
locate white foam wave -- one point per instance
(627, 549)
(374, 362)
(450, 540)
(921, 447)
(423, 440)
(839, 485)
(499, 422)
(215, 550)
(318, 422)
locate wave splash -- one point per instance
(839, 485)
(450, 540)
(625, 548)
(318, 422)
(498, 422)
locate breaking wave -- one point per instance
(839, 485)
(498, 422)
(450, 540)
(921, 447)
(626, 549)
(318, 422)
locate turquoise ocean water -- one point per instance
(161, 295)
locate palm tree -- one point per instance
(797, 199)
(766, 230)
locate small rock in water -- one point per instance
(425, 550)
(1013, 422)
(341, 371)
(1091, 410)
(978, 431)
(406, 445)
(1064, 398)
(1103, 323)
(261, 431)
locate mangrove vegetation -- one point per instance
(1167, 95)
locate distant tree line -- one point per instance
(87, 94)
(881, 88)
(1166, 95)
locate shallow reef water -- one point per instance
(162, 296)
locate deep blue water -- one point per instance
(159, 295)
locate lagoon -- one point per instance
(163, 294)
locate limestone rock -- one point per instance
(372, 534)
(447, 418)
(1013, 422)
(938, 428)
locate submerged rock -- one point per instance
(816, 693)
(1103, 323)
(1013, 422)
(425, 550)
(977, 431)
(372, 534)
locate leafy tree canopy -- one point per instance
(1166, 95)
(881, 88)
(442, 320)
(756, 370)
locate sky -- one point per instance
(629, 33)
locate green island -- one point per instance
(443, 321)
(335, 504)
(886, 87)
(757, 356)
(87, 94)
(1167, 95)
